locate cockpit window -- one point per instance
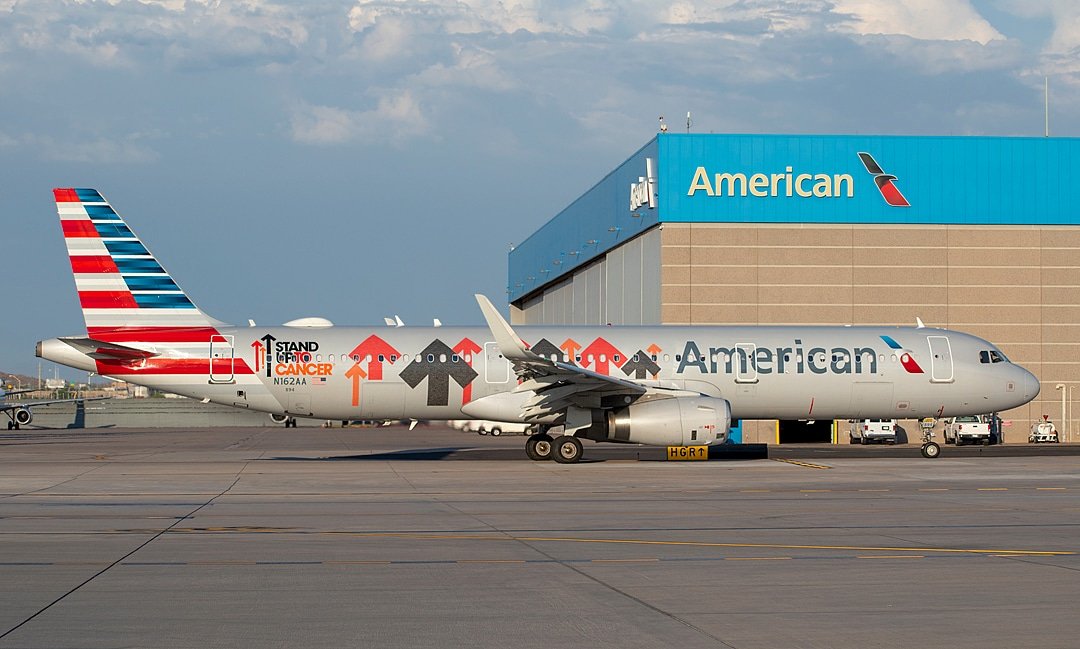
(992, 356)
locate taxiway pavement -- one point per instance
(359, 537)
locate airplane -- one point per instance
(19, 413)
(656, 385)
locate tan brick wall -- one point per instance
(1018, 287)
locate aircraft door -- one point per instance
(941, 364)
(221, 358)
(496, 368)
(745, 363)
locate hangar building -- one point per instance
(980, 234)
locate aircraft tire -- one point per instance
(539, 447)
(931, 450)
(567, 449)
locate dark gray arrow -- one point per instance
(438, 372)
(640, 365)
(546, 348)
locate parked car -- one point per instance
(969, 429)
(865, 431)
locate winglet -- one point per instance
(510, 345)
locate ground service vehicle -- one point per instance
(866, 431)
(968, 429)
(1043, 432)
(495, 428)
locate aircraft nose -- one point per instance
(1031, 385)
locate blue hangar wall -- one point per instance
(699, 178)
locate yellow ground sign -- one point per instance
(688, 452)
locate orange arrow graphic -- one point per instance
(570, 346)
(355, 373)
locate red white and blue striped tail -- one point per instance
(122, 287)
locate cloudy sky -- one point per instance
(360, 159)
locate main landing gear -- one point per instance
(564, 449)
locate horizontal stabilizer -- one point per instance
(101, 350)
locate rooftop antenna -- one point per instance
(1046, 103)
(689, 122)
(663, 126)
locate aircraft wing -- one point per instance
(14, 405)
(557, 386)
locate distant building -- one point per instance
(980, 234)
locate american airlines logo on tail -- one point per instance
(884, 182)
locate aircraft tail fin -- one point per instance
(121, 286)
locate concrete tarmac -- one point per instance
(269, 537)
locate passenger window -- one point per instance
(442, 358)
(431, 358)
(653, 358)
(381, 358)
(454, 358)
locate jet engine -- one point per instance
(278, 418)
(671, 421)
(23, 416)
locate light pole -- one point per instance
(1061, 386)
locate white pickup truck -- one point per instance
(970, 429)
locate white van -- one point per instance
(865, 431)
(496, 428)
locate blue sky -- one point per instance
(354, 160)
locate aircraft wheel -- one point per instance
(10, 425)
(567, 450)
(538, 447)
(931, 450)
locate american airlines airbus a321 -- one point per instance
(659, 385)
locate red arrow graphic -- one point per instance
(372, 347)
(258, 354)
(600, 354)
(467, 350)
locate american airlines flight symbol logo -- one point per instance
(884, 182)
(905, 357)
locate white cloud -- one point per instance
(933, 20)
(396, 117)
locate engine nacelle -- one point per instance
(674, 421)
(23, 416)
(278, 418)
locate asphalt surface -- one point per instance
(432, 538)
